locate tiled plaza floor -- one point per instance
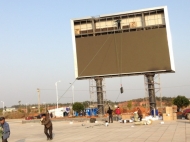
(171, 131)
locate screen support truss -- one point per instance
(99, 84)
(152, 87)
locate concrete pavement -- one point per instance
(171, 131)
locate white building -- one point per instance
(10, 109)
(59, 112)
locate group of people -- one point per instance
(45, 120)
(118, 113)
(110, 113)
(48, 126)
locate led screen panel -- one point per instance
(125, 48)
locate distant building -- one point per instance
(10, 109)
(59, 112)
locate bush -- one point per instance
(14, 115)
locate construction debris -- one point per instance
(169, 114)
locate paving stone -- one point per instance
(117, 132)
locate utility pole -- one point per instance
(57, 96)
(38, 90)
(26, 108)
(73, 96)
(160, 92)
(45, 106)
(73, 93)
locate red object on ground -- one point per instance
(185, 112)
(29, 118)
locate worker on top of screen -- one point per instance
(5, 130)
(118, 21)
(45, 120)
(140, 114)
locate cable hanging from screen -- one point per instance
(121, 89)
(119, 62)
(86, 66)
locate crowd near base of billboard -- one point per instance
(67, 111)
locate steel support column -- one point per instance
(151, 91)
(100, 98)
(93, 27)
(143, 21)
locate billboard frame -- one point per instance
(169, 38)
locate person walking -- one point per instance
(45, 120)
(140, 114)
(110, 111)
(4, 129)
(118, 113)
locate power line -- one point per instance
(118, 90)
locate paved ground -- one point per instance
(171, 131)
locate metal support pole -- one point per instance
(57, 96)
(99, 90)
(26, 108)
(45, 106)
(38, 90)
(73, 95)
(151, 91)
(143, 21)
(160, 92)
(93, 27)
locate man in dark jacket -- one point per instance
(140, 114)
(110, 115)
(45, 120)
(5, 129)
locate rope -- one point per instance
(85, 67)
(117, 97)
(119, 68)
(116, 53)
(121, 59)
(106, 53)
(95, 54)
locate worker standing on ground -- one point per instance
(45, 120)
(5, 130)
(118, 113)
(140, 114)
(110, 111)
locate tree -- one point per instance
(129, 105)
(180, 101)
(78, 107)
(86, 104)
